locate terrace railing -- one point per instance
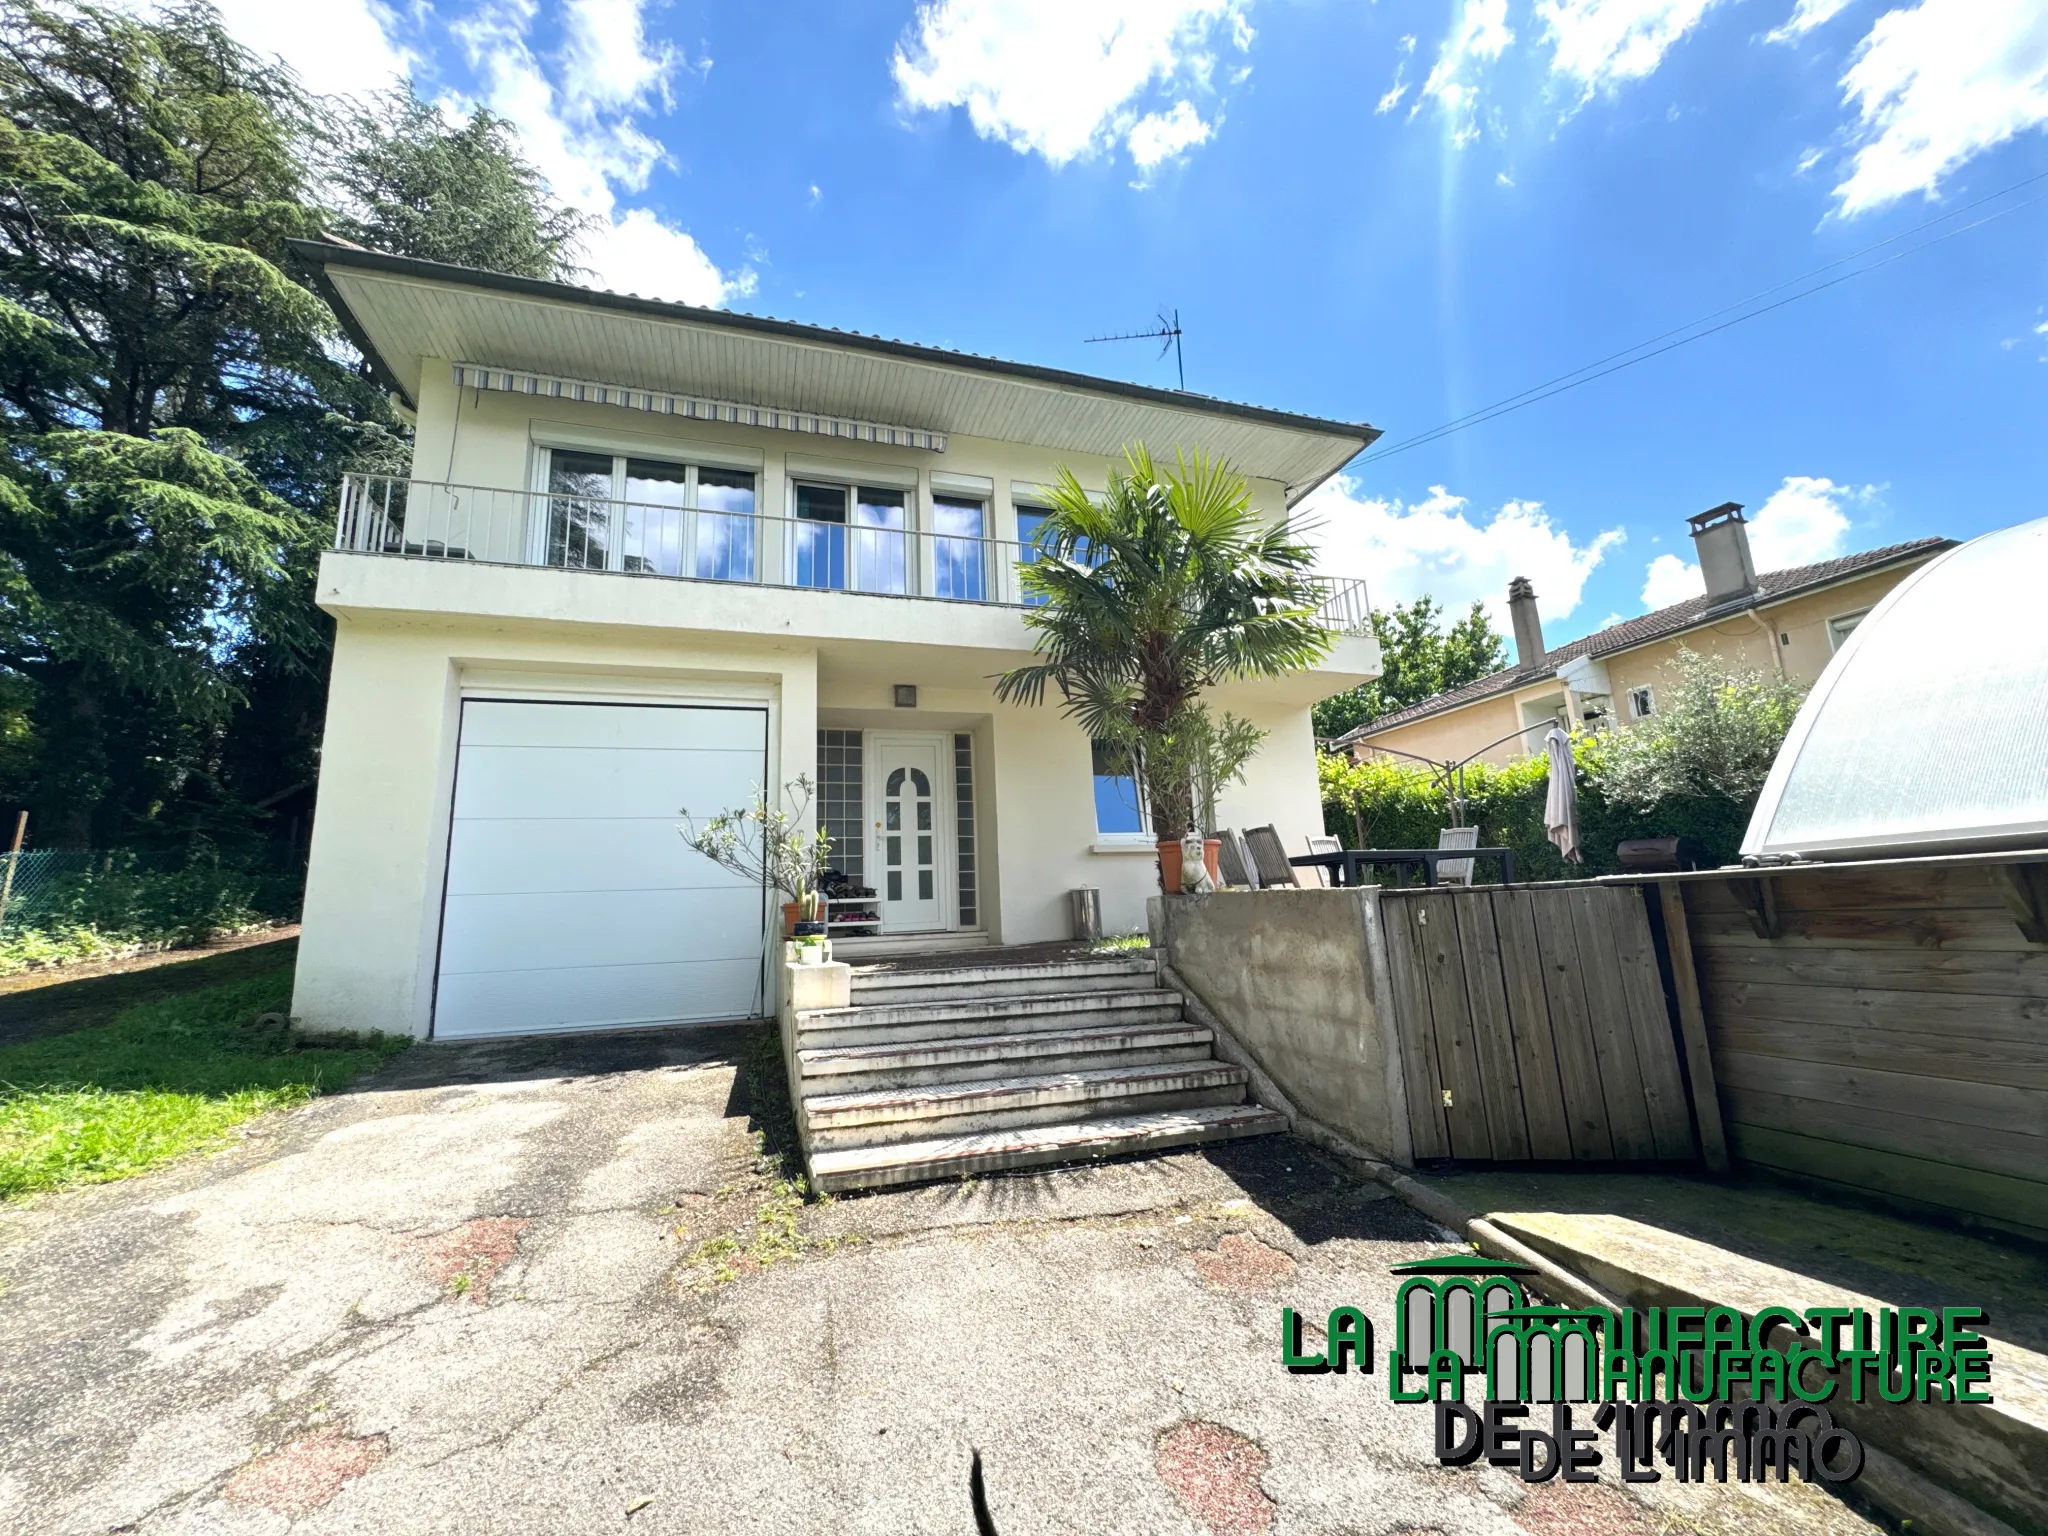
(431, 520)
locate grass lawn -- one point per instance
(161, 1078)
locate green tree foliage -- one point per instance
(1692, 770)
(1419, 658)
(419, 185)
(176, 406)
(1167, 586)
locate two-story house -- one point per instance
(651, 557)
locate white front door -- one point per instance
(907, 789)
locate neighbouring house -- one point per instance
(1788, 623)
(651, 557)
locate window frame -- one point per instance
(854, 487)
(1838, 637)
(540, 532)
(1142, 834)
(1642, 701)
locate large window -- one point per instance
(656, 517)
(1118, 810)
(959, 564)
(852, 537)
(1841, 627)
(1030, 527)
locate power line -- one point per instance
(1643, 351)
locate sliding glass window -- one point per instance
(650, 517)
(959, 559)
(852, 538)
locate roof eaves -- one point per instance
(322, 254)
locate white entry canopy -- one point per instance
(572, 900)
(1928, 732)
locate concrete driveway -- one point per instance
(551, 1286)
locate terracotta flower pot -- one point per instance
(1169, 866)
(789, 909)
(1212, 853)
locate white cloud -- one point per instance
(1806, 520)
(1064, 79)
(1392, 97)
(1436, 546)
(580, 130)
(338, 47)
(1162, 135)
(1806, 16)
(1600, 44)
(607, 63)
(1479, 36)
(1936, 85)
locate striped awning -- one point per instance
(694, 407)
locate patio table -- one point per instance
(1348, 865)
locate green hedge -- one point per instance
(1383, 804)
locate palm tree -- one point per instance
(1165, 587)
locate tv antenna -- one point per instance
(1167, 334)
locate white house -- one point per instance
(650, 557)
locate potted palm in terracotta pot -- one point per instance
(1147, 597)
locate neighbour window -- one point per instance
(957, 552)
(852, 538)
(653, 517)
(1118, 811)
(1641, 703)
(1840, 629)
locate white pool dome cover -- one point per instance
(1928, 732)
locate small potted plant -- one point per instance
(769, 845)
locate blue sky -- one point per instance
(1395, 212)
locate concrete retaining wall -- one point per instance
(1292, 975)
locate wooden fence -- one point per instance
(1882, 1026)
(1533, 1024)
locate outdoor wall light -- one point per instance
(906, 695)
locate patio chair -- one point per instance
(1325, 845)
(1235, 863)
(1456, 871)
(1269, 857)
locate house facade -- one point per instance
(650, 558)
(1786, 623)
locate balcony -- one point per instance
(430, 520)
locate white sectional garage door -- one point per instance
(572, 901)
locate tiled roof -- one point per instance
(1771, 586)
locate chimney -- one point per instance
(1722, 538)
(1528, 625)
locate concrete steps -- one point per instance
(946, 1071)
(1082, 1141)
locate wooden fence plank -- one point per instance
(1970, 972)
(2014, 1019)
(1577, 1068)
(1827, 889)
(2019, 1157)
(2023, 1064)
(1493, 1034)
(2018, 1203)
(1550, 1137)
(1428, 1134)
(1621, 1078)
(1962, 929)
(1880, 1095)
(1692, 1029)
(1650, 1024)
(1457, 1051)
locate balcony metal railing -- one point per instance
(389, 515)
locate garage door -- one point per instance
(572, 902)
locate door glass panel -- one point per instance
(725, 525)
(879, 551)
(957, 553)
(579, 509)
(651, 541)
(821, 536)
